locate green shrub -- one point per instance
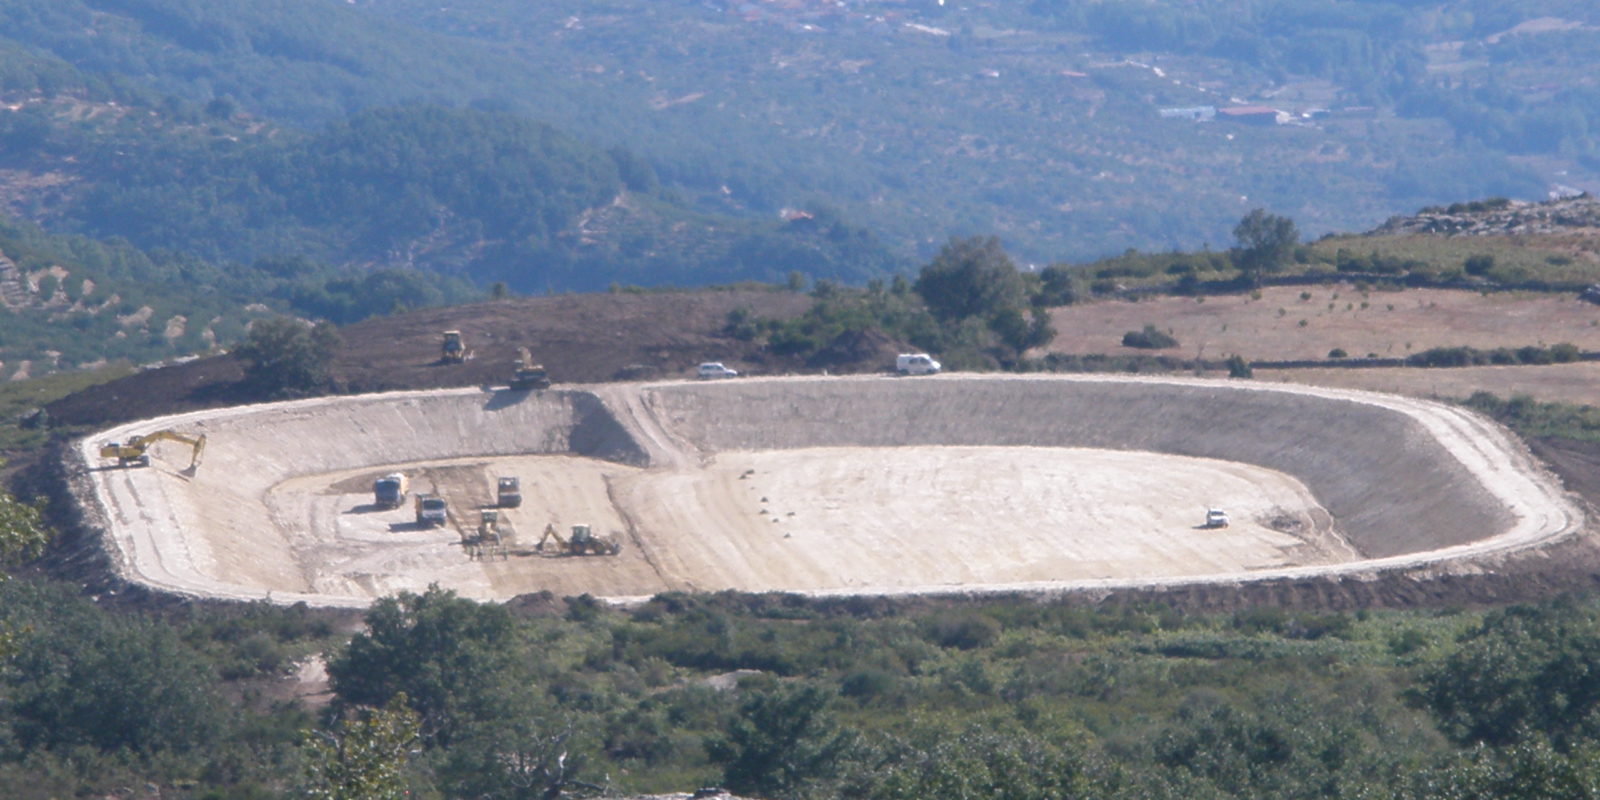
(1442, 357)
(1149, 339)
(966, 632)
(867, 684)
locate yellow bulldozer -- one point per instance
(489, 541)
(582, 542)
(136, 451)
(453, 350)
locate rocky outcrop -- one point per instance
(1499, 218)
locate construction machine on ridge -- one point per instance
(136, 451)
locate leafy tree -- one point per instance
(781, 741)
(1061, 285)
(23, 534)
(442, 651)
(977, 763)
(80, 678)
(970, 278)
(286, 357)
(1525, 669)
(365, 756)
(1266, 241)
(1151, 338)
(1526, 769)
(530, 754)
(974, 281)
(1022, 334)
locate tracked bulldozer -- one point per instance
(528, 375)
(136, 451)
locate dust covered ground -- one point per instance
(579, 338)
(813, 519)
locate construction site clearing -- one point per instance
(953, 484)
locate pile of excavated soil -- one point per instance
(578, 338)
(952, 484)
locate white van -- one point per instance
(711, 370)
(915, 364)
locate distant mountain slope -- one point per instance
(487, 196)
(1035, 121)
(71, 301)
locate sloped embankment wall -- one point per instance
(1389, 484)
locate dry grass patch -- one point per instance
(1577, 383)
(1281, 323)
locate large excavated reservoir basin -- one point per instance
(871, 485)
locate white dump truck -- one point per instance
(390, 490)
(915, 364)
(508, 492)
(432, 512)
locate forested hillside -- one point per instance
(71, 301)
(488, 196)
(1036, 122)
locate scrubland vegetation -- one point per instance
(779, 697)
(230, 161)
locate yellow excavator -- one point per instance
(136, 451)
(581, 543)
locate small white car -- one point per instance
(712, 370)
(916, 364)
(1216, 518)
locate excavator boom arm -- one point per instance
(138, 446)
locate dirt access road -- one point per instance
(1577, 382)
(953, 484)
